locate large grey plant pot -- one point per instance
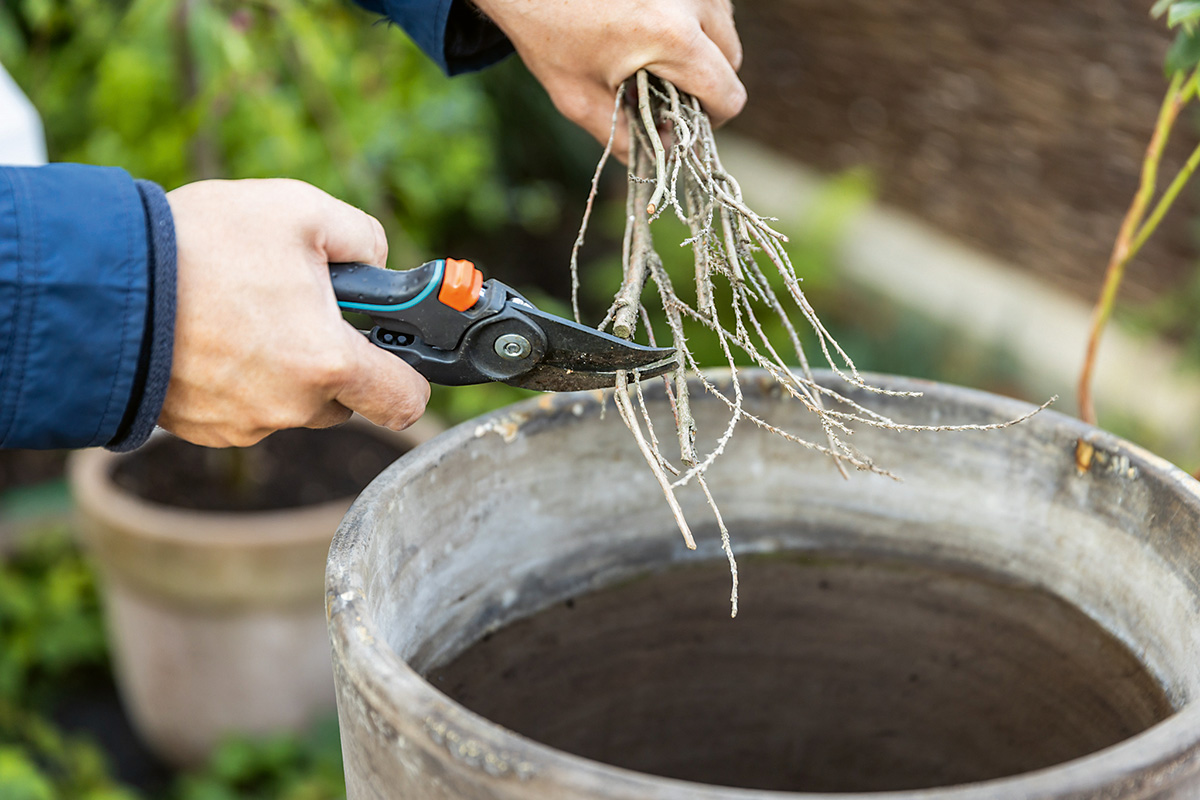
(533, 507)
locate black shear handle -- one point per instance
(375, 291)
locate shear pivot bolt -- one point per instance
(513, 346)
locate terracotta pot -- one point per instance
(513, 614)
(214, 618)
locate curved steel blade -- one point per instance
(579, 348)
(553, 378)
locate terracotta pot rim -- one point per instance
(89, 473)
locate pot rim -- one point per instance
(387, 682)
(89, 474)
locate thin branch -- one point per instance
(660, 169)
(591, 199)
(640, 250)
(625, 409)
(1173, 103)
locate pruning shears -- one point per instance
(455, 328)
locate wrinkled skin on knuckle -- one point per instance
(681, 38)
(664, 32)
(305, 204)
(328, 369)
(269, 417)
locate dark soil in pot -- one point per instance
(288, 469)
(842, 673)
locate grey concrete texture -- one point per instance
(516, 513)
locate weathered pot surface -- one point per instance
(995, 625)
(214, 623)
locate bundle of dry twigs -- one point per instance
(685, 177)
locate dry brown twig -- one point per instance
(685, 176)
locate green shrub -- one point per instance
(177, 90)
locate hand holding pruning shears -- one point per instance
(260, 343)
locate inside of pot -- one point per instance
(288, 469)
(844, 672)
(978, 619)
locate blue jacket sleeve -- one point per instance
(87, 297)
(456, 35)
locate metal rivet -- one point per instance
(513, 346)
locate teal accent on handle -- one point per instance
(435, 282)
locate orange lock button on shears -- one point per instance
(461, 284)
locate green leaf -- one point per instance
(1184, 53)
(1160, 7)
(12, 45)
(20, 778)
(1184, 12)
(40, 13)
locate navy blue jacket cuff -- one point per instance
(154, 367)
(73, 303)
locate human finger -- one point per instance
(620, 145)
(347, 233)
(591, 105)
(704, 72)
(380, 386)
(718, 25)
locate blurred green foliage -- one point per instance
(38, 762)
(178, 90)
(49, 619)
(276, 768)
(50, 629)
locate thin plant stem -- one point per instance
(1164, 203)
(1173, 102)
(591, 199)
(643, 83)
